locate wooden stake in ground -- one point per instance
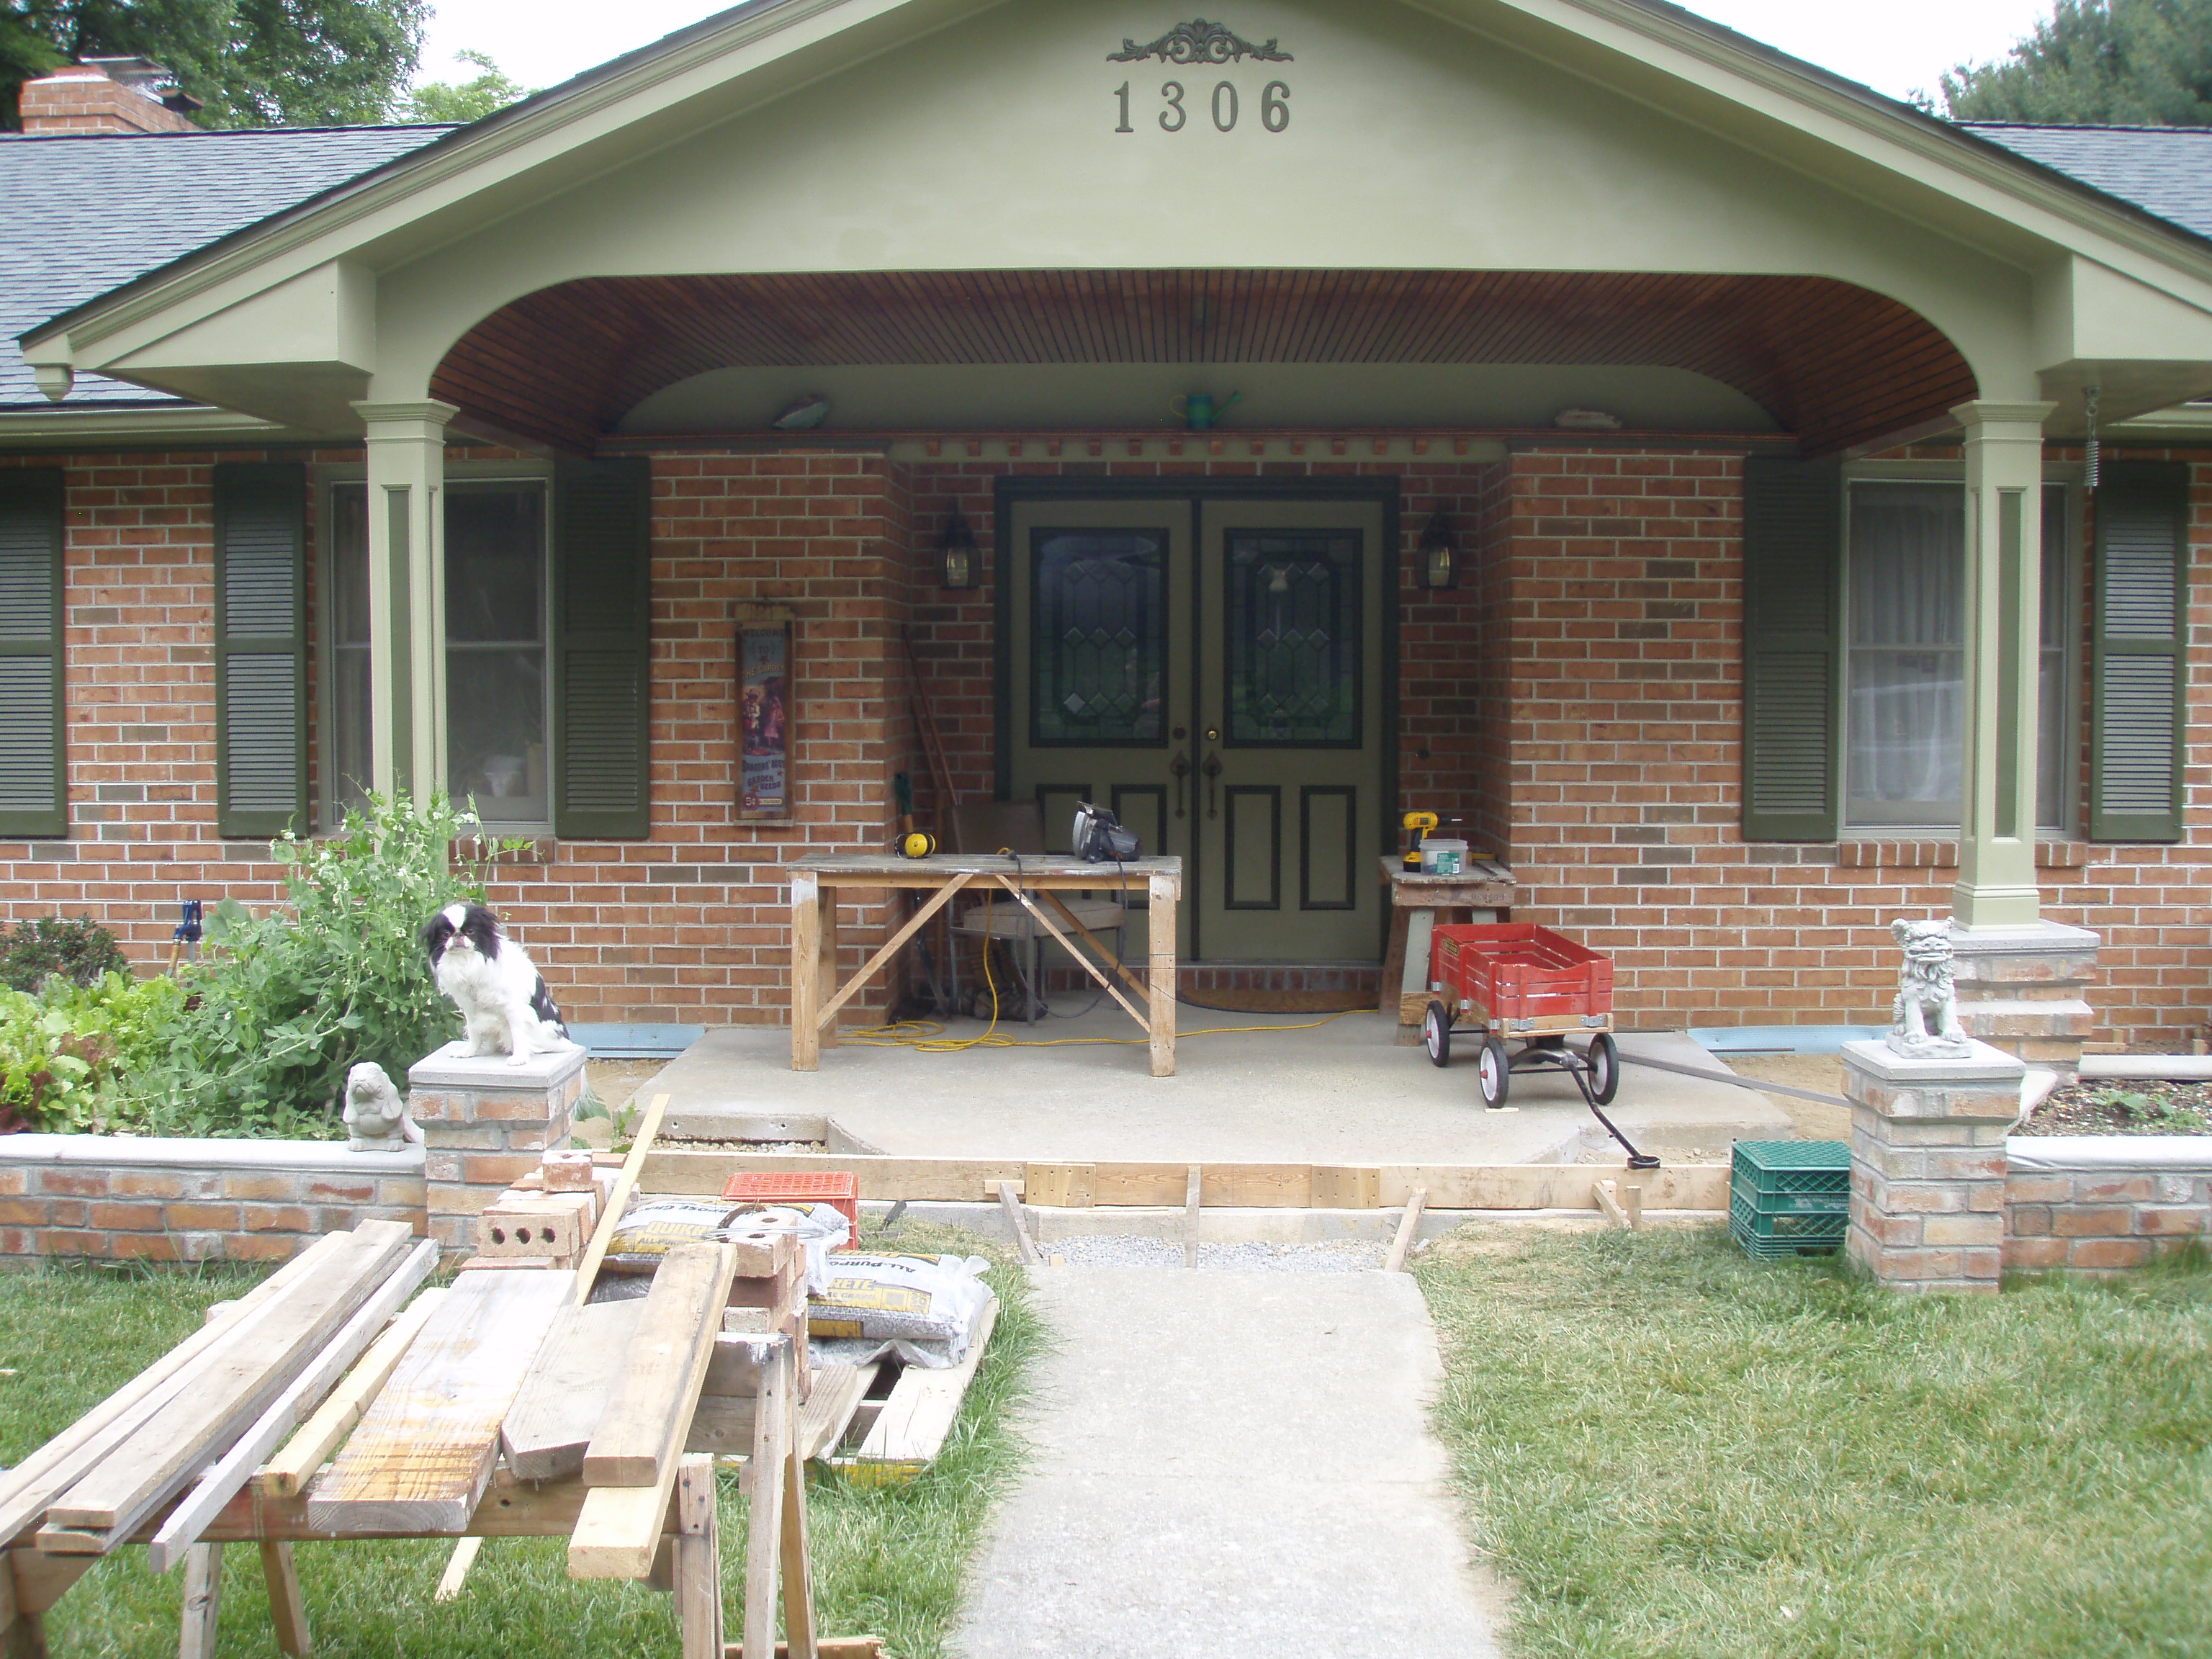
(587, 1271)
(1192, 1192)
(1409, 1227)
(764, 1539)
(1023, 1247)
(203, 1602)
(424, 1451)
(698, 1560)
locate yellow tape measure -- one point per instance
(916, 844)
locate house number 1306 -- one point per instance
(1275, 106)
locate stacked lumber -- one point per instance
(204, 1416)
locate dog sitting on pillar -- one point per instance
(1925, 1020)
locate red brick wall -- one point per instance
(82, 101)
(1577, 700)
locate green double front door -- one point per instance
(1212, 668)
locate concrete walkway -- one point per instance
(1335, 1093)
(1230, 1463)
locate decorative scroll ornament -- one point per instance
(1198, 42)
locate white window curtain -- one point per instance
(1906, 732)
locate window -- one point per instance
(1905, 660)
(497, 698)
(498, 695)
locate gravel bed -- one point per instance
(1109, 1251)
(821, 1147)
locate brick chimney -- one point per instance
(107, 95)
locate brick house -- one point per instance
(1667, 459)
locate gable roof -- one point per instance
(86, 213)
(2165, 171)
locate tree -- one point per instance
(470, 100)
(2116, 63)
(251, 62)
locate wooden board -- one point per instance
(26, 1489)
(247, 1368)
(1227, 1185)
(1346, 1188)
(648, 1415)
(558, 1409)
(587, 1272)
(324, 1369)
(910, 1429)
(288, 1473)
(425, 1452)
(724, 1422)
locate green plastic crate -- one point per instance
(1790, 1197)
(1764, 1236)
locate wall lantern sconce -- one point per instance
(1439, 554)
(957, 554)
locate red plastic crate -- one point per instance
(1515, 972)
(837, 1187)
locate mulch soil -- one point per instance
(2109, 1106)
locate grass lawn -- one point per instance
(1667, 1449)
(887, 1562)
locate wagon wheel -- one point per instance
(1604, 1062)
(1492, 1073)
(1436, 1034)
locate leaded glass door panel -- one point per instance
(1291, 595)
(1100, 685)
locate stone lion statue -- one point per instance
(1926, 1018)
(375, 1117)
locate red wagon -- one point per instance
(1516, 981)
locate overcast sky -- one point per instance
(1896, 46)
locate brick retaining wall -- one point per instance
(112, 1198)
(2098, 1203)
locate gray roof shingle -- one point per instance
(86, 215)
(2165, 171)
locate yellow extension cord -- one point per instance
(927, 1037)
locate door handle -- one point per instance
(1212, 771)
(1180, 766)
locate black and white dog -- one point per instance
(501, 995)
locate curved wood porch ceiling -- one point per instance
(1834, 363)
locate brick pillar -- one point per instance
(484, 1121)
(2025, 991)
(1928, 1164)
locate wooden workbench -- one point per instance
(817, 998)
(1481, 892)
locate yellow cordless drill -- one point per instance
(1420, 823)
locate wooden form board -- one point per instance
(424, 1451)
(909, 1431)
(1223, 1186)
(558, 1409)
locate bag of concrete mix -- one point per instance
(926, 1305)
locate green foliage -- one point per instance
(253, 62)
(490, 92)
(68, 1051)
(81, 951)
(2116, 63)
(1665, 1448)
(289, 1000)
(2151, 1113)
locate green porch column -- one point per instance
(407, 593)
(2004, 562)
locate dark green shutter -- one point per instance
(260, 649)
(2139, 677)
(33, 791)
(1793, 603)
(602, 642)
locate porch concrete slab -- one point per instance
(1231, 1462)
(1288, 1091)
